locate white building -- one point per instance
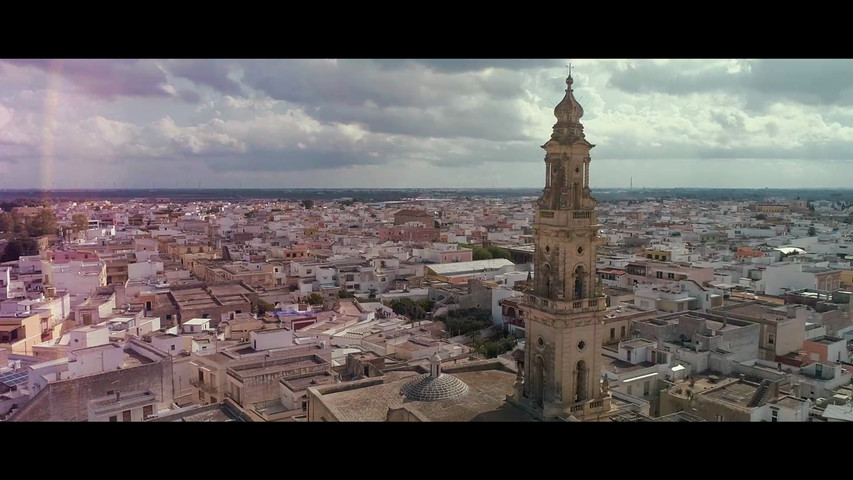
(5, 282)
(781, 277)
(76, 277)
(196, 325)
(270, 339)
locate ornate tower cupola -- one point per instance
(568, 113)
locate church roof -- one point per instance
(427, 388)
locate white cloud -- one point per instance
(423, 122)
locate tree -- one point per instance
(42, 223)
(463, 321)
(372, 293)
(410, 308)
(18, 247)
(493, 348)
(436, 224)
(481, 253)
(261, 307)
(7, 223)
(498, 252)
(308, 204)
(79, 222)
(315, 299)
(761, 216)
(812, 232)
(345, 294)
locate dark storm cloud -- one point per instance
(408, 101)
(189, 96)
(277, 161)
(442, 121)
(647, 77)
(622, 149)
(807, 81)
(211, 73)
(348, 82)
(106, 78)
(458, 65)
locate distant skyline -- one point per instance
(421, 123)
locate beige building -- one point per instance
(18, 335)
(783, 330)
(717, 399)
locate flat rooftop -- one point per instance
(112, 404)
(134, 359)
(259, 366)
(216, 412)
(826, 340)
(739, 393)
(754, 311)
(305, 381)
(197, 321)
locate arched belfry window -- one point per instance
(580, 283)
(580, 384)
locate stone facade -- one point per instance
(564, 311)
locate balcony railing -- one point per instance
(204, 386)
(591, 407)
(576, 306)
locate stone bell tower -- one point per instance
(564, 311)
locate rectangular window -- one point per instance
(818, 370)
(646, 386)
(147, 411)
(613, 333)
(114, 418)
(125, 416)
(771, 339)
(629, 389)
(670, 275)
(660, 274)
(622, 332)
(774, 415)
(719, 418)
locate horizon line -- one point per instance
(67, 189)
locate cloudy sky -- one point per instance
(420, 123)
